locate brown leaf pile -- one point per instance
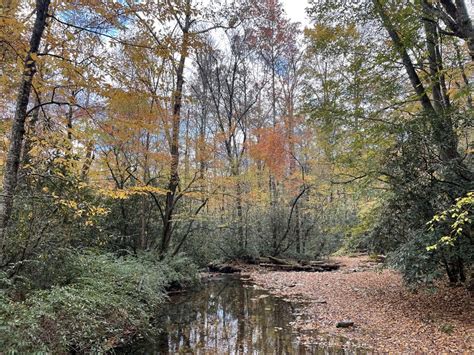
(388, 317)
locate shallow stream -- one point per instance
(226, 315)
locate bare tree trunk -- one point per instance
(433, 60)
(89, 156)
(240, 216)
(30, 130)
(174, 174)
(298, 229)
(462, 69)
(174, 144)
(462, 24)
(10, 178)
(186, 151)
(88, 161)
(69, 147)
(201, 149)
(456, 18)
(272, 180)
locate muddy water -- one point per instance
(226, 316)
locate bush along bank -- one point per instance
(85, 302)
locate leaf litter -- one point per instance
(387, 315)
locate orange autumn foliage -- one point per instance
(271, 148)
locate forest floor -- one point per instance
(387, 316)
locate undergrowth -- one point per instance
(83, 301)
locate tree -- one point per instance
(455, 17)
(232, 97)
(416, 135)
(12, 164)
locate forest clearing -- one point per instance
(236, 176)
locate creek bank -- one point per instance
(387, 316)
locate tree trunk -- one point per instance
(441, 124)
(88, 161)
(298, 229)
(462, 25)
(27, 145)
(174, 144)
(434, 63)
(462, 69)
(239, 212)
(12, 164)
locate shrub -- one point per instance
(105, 304)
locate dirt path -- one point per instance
(386, 315)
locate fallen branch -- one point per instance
(306, 268)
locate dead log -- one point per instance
(292, 265)
(329, 267)
(307, 268)
(287, 267)
(324, 266)
(320, 262)
(279, 261)
(223, 268)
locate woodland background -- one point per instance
(139, 138)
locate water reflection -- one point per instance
(227, 316)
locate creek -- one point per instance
(226, 315)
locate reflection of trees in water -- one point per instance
(225, 317)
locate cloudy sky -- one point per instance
(295, 10)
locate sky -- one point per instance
(295, 10)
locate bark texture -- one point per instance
(171, 195)
(10, 179)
